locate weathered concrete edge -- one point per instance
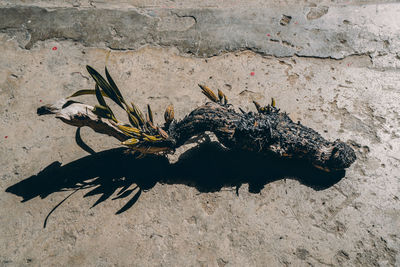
(322, 32)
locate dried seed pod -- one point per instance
(169, 114)
(208, 93)
(162, 133)
(220, 96)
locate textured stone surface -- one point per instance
(353, 222)
(121, 4)
(326, 32)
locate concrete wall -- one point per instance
(333, 65)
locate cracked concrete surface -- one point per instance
(332, 66)
(321, 31)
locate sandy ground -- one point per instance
(282, 221)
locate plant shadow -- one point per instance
(116, 173)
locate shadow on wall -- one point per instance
(208, 168)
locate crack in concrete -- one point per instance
(339, 33)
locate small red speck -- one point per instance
(252, 73)
(54, 48)
(268, 34)
(348, 64)
(296, 23)
(6, 137)
(40, 100)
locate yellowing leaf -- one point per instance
(129, 130)
(130, 142)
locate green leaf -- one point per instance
(132, 131)
(104, 85)
(85, 92)
(150, 112)
(99, 96)
(132, 119)
(104, 112)
(114, 86)
(137, 113)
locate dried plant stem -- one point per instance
(270, 132)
